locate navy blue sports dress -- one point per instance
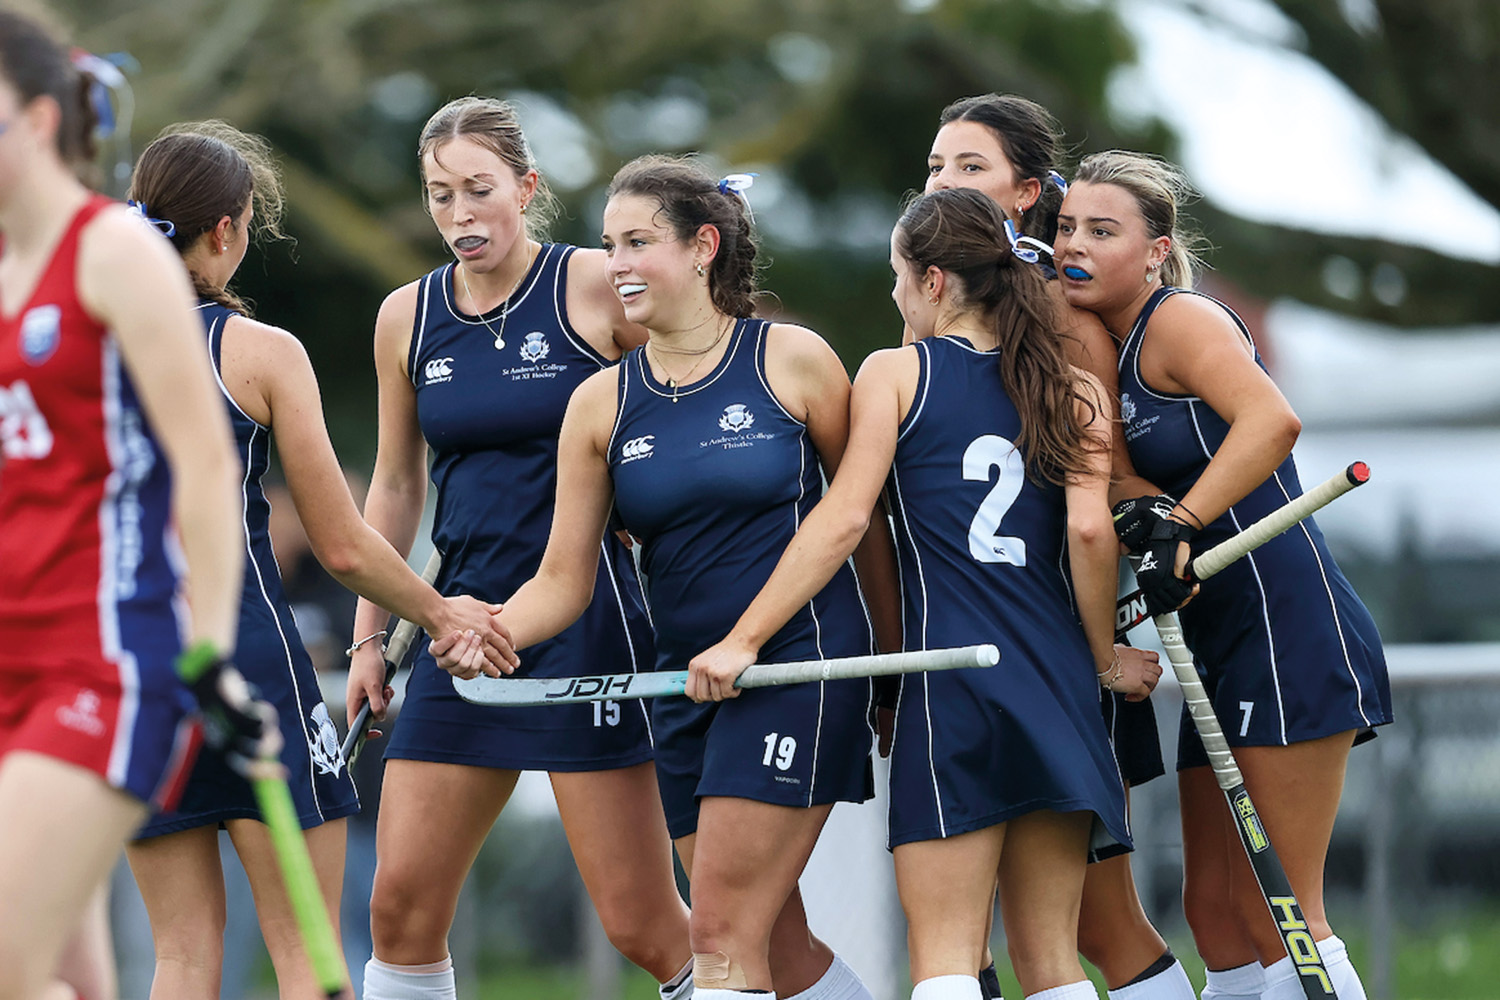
(982, 554)
(269, 652)
(492, 417)
(714, 478)
(1285, 647)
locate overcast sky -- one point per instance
(1271, 135)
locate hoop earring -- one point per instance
(702, 272)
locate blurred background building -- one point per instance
(1349, 156)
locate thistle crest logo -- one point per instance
(737, 417)
(323, 742)
(1127, 407)
(534, 348)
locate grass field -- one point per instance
(1449, 959)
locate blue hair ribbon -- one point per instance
(164, 226)
(1057, 179)
(738, 184)
(104, 78)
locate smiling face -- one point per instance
(654, 273)
(967, 154)
(476, 198)
(1105, 256)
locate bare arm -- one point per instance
(398, 487)
(1093, 553)
(1089, 346)
(134, 283)
(809, 379)
(271, 378)
(1193, 348)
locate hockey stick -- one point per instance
(484, 690)
(394, 653)
(1296, 936)
(1275, 887)
(302, 888)
(199, 665)
(1131, 610)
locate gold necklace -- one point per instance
(505, 315)
(675, 384)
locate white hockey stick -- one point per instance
(1131, 610)
(520, 691)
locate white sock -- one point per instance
(680, 986)
(433, 981)
(702, 994)
(839, 983)
(1340, 970)
(1243, 982)
(1282, 981)
(948, 988)
(1169, 984)
(1082, 990)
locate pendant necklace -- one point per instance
(675, 384)
(499, 335)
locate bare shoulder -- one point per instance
(399, 309)
(120, 259)
(597, 396)
(889, 364)
(789, 343)
(253, 340)
(593, 307)
(1197, 316)
(393, 327)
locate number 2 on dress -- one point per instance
(986, 452)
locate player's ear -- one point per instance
(706, 244)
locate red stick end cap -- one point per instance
(1358, 473)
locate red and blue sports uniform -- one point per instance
(90, 615)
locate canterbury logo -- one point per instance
(439, 370)
(635, 448)
(23, 430)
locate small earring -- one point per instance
(1021, 209)
(933, 301)
(223, 248)
(523, 208)
(701, 271)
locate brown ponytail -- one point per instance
(196, 173)
(962, 232)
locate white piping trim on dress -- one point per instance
(1265, 609)
(260, 581)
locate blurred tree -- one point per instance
(835, 101)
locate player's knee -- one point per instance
(401, 913)
(640, 941)
(708, 932)
(1212, 917)
(717, 971)
(1093, 941)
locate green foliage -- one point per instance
(839, 96)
